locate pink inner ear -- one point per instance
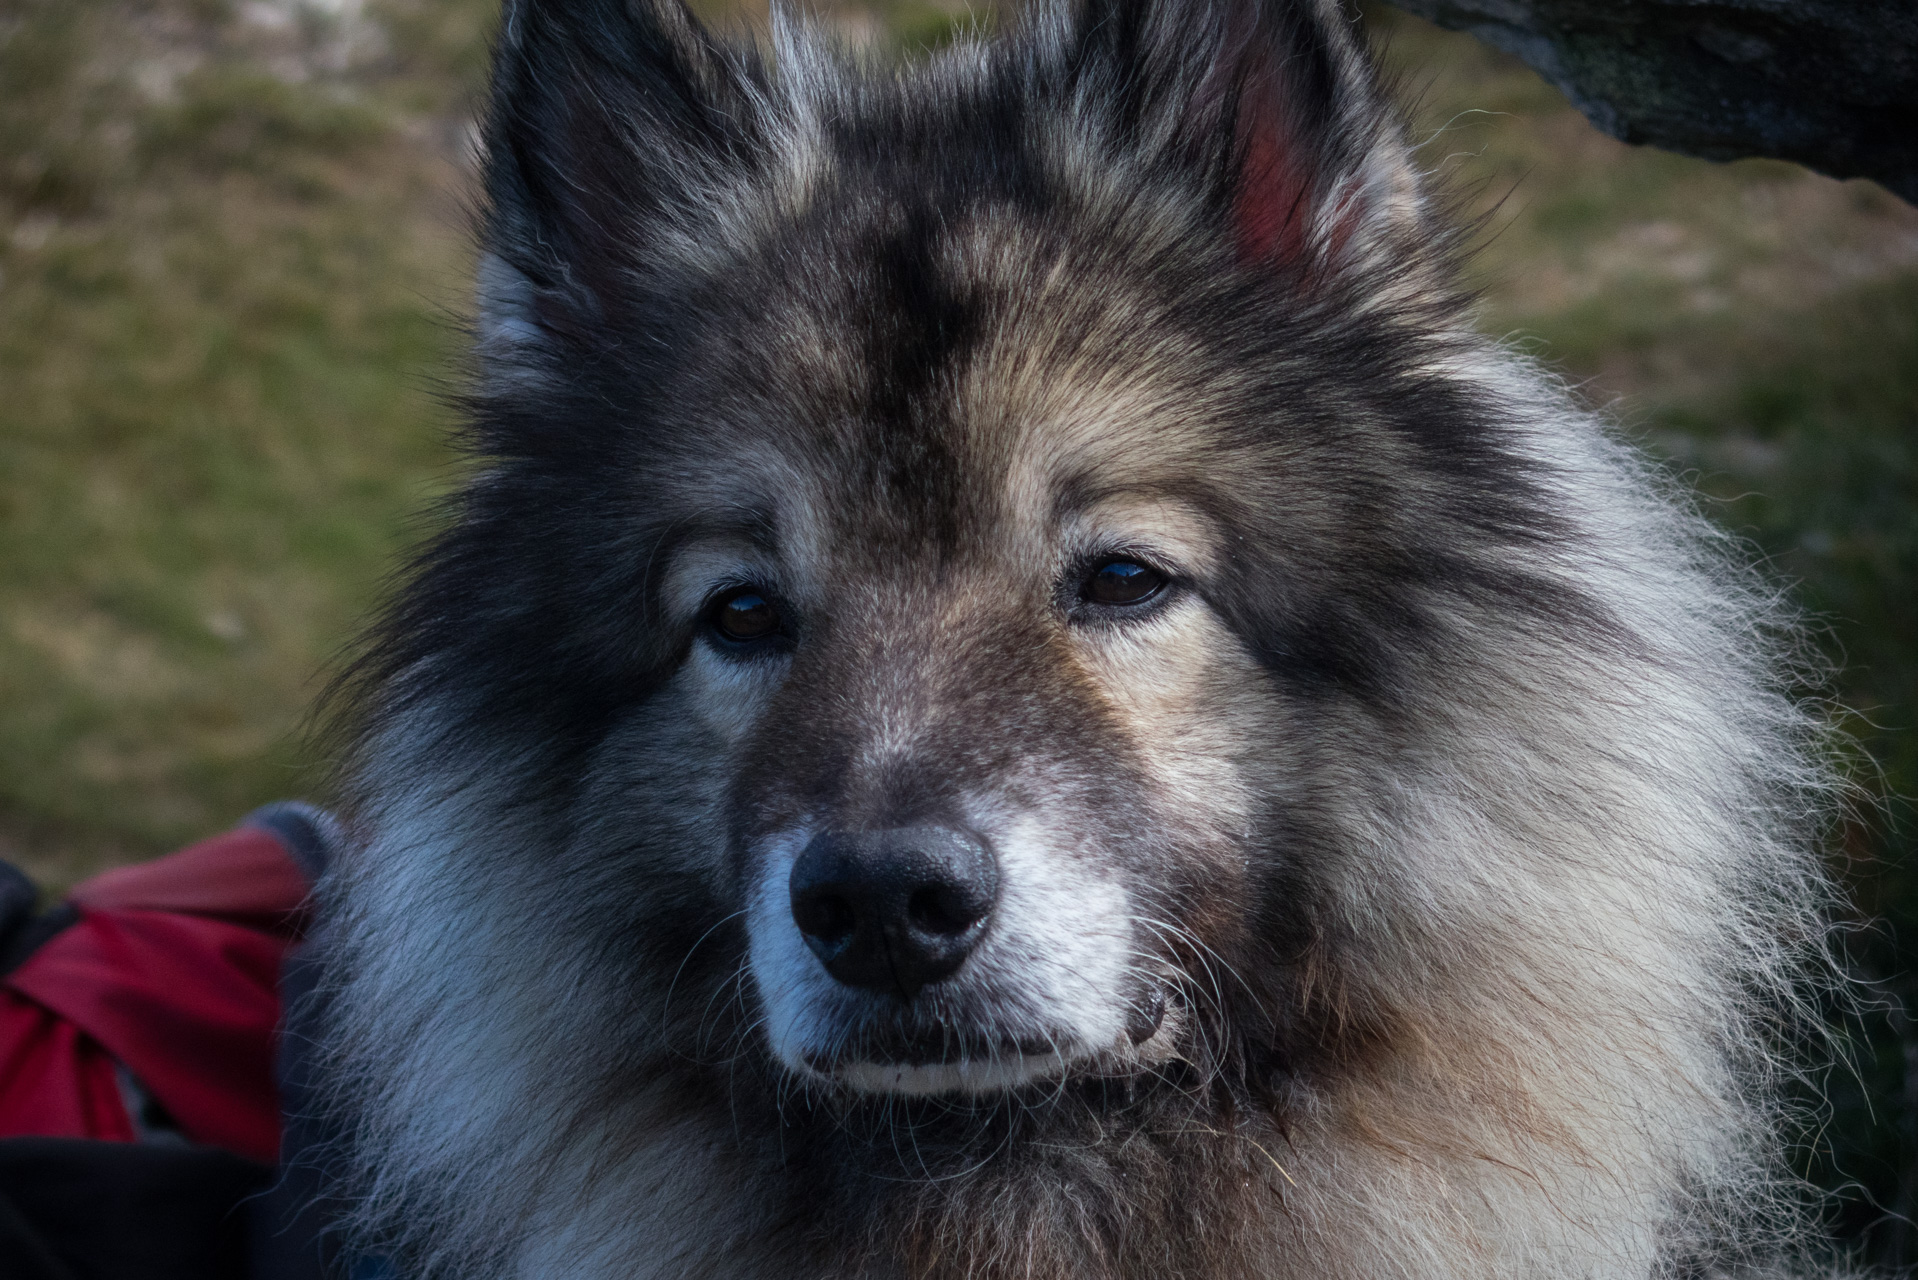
(1273, 212)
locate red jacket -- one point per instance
(169, 969)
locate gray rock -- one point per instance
(1832, 84)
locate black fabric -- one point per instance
(17, 899)
(30, 934)
(124, 1211)
(292, 1239)
(25, 1251)
(21, 931)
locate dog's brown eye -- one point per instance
(1123, 582)
(745, 615)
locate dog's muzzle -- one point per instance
(930, 960)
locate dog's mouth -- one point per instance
(982, 1075)
(942, 1059)
(942, 1047)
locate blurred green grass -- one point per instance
(226, 290)
(233, 262)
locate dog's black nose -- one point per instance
(893, 910)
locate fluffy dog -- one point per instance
(1017, 693)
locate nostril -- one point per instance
(943, 909)
(826, 916)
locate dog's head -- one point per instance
(950, 535)
(1007, 595)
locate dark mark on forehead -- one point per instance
(920, 329)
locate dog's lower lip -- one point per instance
(925, 1055)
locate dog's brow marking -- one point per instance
(1143, 518)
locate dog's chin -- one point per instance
(903, 1071)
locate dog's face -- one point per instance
(950, 673)
(982, 730)
(940, 561)
(974, 787)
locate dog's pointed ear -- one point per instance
(1276, 109)
(607, 120)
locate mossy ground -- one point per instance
(233, 266)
